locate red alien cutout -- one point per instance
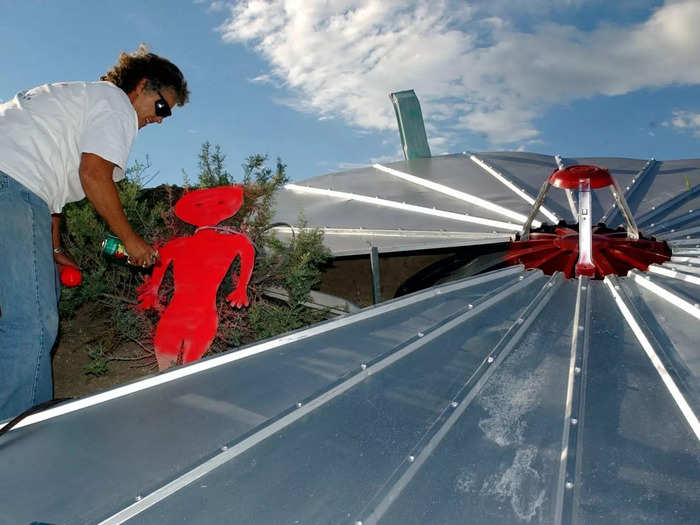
(200, 262)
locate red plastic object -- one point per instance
(613, 252)
(71, 276)
(569, 177)
(200, 262)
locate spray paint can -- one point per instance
(114, 247)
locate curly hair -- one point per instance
(158, 71)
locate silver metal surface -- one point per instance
(574, 407)
(611, 216)
(508, 397)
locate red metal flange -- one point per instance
(612, 252)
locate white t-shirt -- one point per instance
(44, 131)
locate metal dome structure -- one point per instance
(510, 396)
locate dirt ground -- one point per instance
(70, 359)
(349, 278)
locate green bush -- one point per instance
(109, 285)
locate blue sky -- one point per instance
(308, 80)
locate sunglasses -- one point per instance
(162, 107)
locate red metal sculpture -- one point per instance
(584, 249)
(200, 262)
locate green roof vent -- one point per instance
(411, 128)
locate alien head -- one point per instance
(209, 206)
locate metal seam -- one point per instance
(454, 193)
(674, 274)
(558, 511)
(522, 194)
(669, 205)
(681, 219)
(613, 210)
(675, 299)
(387, 203)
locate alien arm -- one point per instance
(239, 297)
(148, 291)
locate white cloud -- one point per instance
(686, 121)
(470, 71)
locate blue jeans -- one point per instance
(28, 299)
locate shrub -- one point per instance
(109, 285)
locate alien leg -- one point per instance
(199, 339)
(168, 342)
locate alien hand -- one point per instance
(238, 298)
(148, 297)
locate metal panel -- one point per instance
(500, 461)
(676, 332)
(639, 460)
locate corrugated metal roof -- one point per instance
(477, 195)
(509, 397)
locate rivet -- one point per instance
(470, 306)
(490, 359)
(299, 405)
(577, 370)
(569, 485)
(521, 278)
(617, 287)
(454, 404)
(520, 320)
(224, 448)
(583, 288)
(363, 366)
(411, 459)
(138, 498)
(580, 328)
(574, 421)
(420, 334)
(358, 523)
